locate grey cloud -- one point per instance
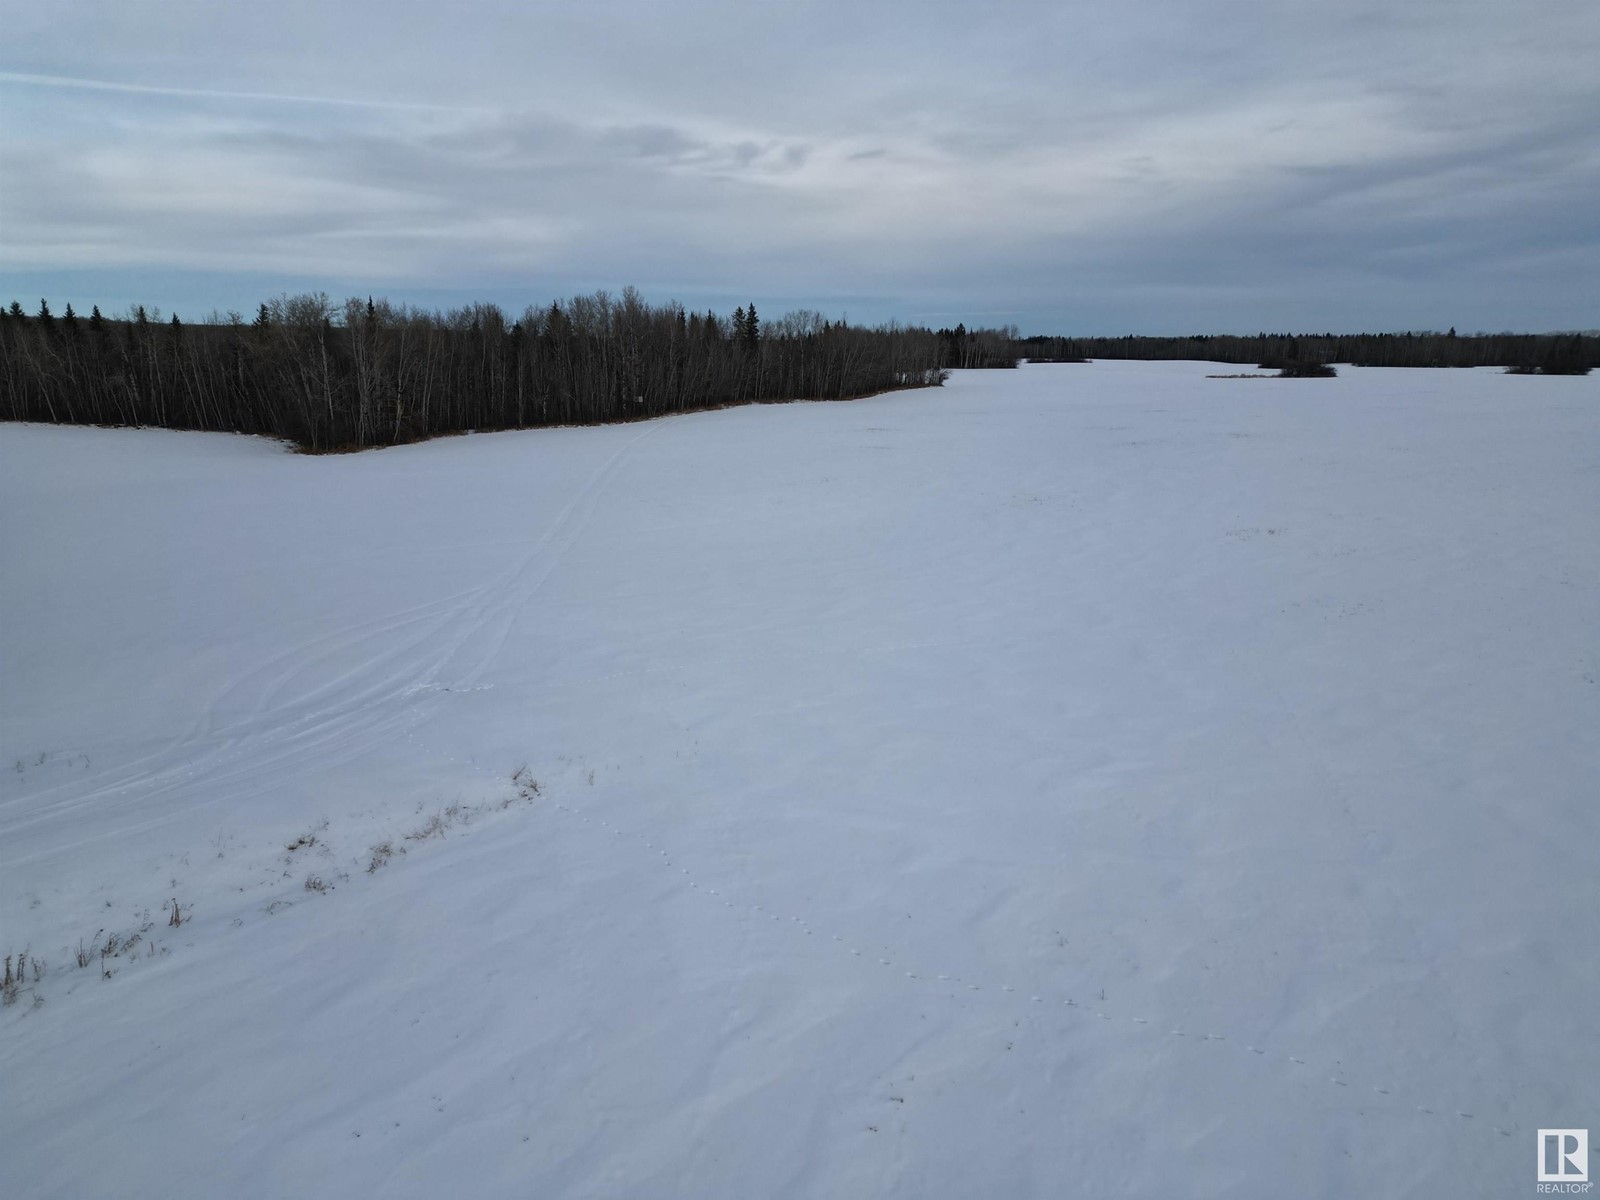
(1173, 161)
(656, 141)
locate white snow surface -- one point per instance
(1080, 780)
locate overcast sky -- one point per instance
(1161, 166)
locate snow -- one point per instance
(1093, 780)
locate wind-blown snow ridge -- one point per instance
(928, 978)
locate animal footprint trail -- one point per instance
(1005, 992)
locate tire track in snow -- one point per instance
(179, 756)
(362, 710)
(568, 527)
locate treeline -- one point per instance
(978, 349)
(1551, 354)
(372, 373)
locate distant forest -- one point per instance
(1523, 353)
(369, 373)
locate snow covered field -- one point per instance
(1083, 780)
